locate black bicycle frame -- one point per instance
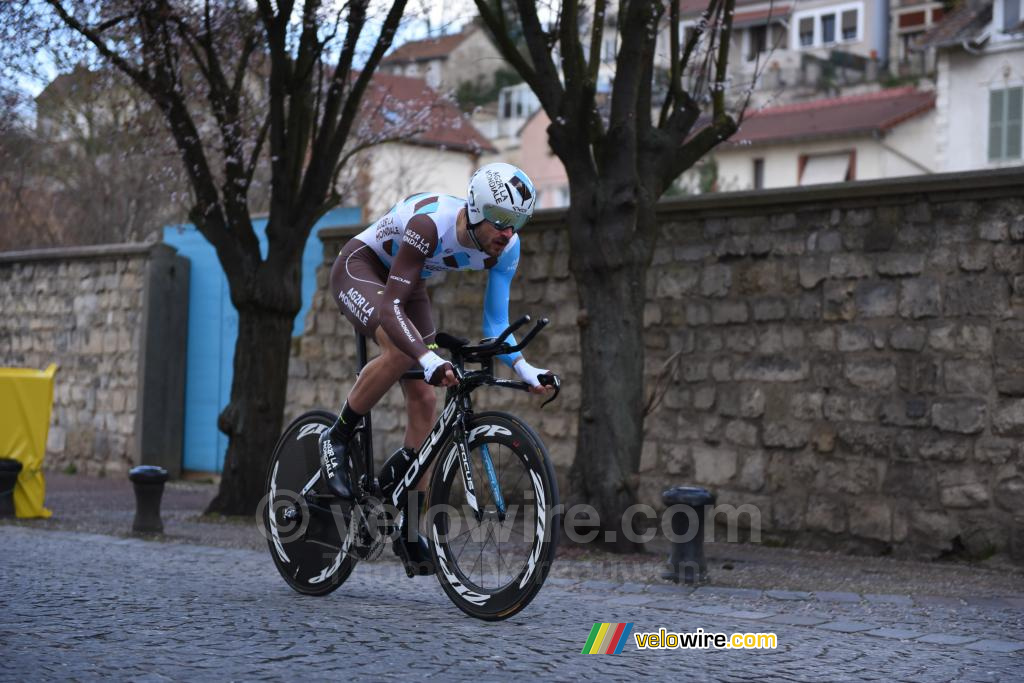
(452, 416)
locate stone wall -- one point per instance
(850, 360)
(89, 309)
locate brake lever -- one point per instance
(550, 380)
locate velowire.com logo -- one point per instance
(607, 639)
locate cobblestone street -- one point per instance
(87, 606)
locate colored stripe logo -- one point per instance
(607, 639)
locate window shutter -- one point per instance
(1011, 14)
(849, 24)
(807, 30)
(995, 124)
(1014, 107)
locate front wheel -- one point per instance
(304, 525)
(492, 560)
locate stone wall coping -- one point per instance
(99, 251)
(858, 192)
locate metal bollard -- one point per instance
(148, 481)
(687, 563)
(9, 471)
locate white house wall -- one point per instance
(397, 170)
(964, 82)
(873, 160)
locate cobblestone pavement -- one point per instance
(83, 606)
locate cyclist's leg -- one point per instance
(420, 397)
(357, 285)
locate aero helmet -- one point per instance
(501, 194)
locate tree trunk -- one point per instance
(252, 419)
(610, 279)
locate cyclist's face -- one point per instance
(493, 239)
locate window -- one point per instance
(826, 168)
(757, 41)
(828, 28)
(807, 31)
(1004, 123)
(1011, 14)
(758, 174)
(850, 24)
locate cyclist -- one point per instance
(378, 283)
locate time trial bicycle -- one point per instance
(492, 516)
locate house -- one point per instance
(540, 163)
(788, 50)
(980, 85)
(909, 21)
(435, 146)
(859, 137)
(446, 61)
(502, 122)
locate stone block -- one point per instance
(678, 460)
(986, 295)
(713, 465)
(806, 307)
(962, 496)
(813, 270)
(975, 257)
(1007, 259)
(729, 312)
(716, 280)
(772, 368)
(995, 229)
(900, 265)
(826, 514)
(787, 435)
(839, 302)
(968, 376)
(807, 405)
(741, 433)
(704, 398)
(964, 416)
(854, 338)
(751, 401)
(697, 314)
(769, 309)
(877, 299)
(1009, 378)
(871, 518)
(841, 266)
(677, 284)
(752, 472)
(870, 374)
(823, 339)
(920, 298)
(904, 412)
(1009, 492)
(908, 337)
(1008, 419)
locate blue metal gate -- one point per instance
(213, 329)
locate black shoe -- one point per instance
(415, 554)
(334, 465)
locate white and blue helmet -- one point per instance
(501, 194)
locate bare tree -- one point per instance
(621, 153)
(233, 79)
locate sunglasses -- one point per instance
(504, 219)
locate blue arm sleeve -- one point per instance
(499, 282)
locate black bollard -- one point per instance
(687, 563)
(9, 471)
(149, 488)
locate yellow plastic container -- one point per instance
(26, 399)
